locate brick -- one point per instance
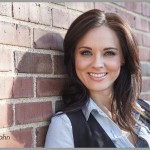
(133, 6)
(6, 113)
(100, 5)
(27, 11)
(145, 69)
(49, 86)
(43, 14)
(88, 6)
(146, 9)
(144, 54)
(145, 97)
(5, 61)
(6, 85)
(145, 85)
(33, 112)
(59, 67)
(104, 7)
(40, 136)
(59, 3)
(21, 11)
(62, 19)
(120, 3)
(130, 18)
(81, 6)
(146, 40)
(139, 38)
(47, 40)
(14, 34)
(23, 87)
(33, 63)
(142, 24)
(6, 9)
(17, 139)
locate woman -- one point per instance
(101, 57)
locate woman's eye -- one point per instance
(109, 53)
(85, 53)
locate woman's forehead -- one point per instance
(100, 36)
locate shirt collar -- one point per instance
(91, 106)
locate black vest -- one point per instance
(91, 134)
(88, 133)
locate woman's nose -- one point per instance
(98, 62)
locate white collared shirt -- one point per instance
(60, 133)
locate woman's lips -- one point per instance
(97, 76)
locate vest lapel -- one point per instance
(99, 136)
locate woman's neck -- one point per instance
(103, 100)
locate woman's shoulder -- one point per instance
(147, 101)
(59, 133)
(60, 117)
(145, 104)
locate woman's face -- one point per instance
(98, 59)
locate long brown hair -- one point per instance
(127, 87)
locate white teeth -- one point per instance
(97, 75)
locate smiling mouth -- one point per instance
(97, 75)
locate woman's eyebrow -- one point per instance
(108, 48)
(85, 47)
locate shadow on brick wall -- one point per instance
(47, 40)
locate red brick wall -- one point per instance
(31, 64)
